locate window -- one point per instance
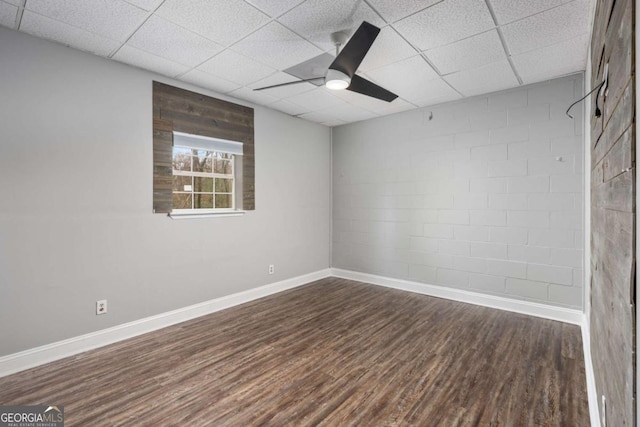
(204, 179)
(178, 112)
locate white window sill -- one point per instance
(197, 215)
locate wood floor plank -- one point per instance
(332, 353)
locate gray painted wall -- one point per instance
(75, 213)
(472, 198)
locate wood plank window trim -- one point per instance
(180, 110)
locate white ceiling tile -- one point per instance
(253, 96)
(511, 10)
(366, 102)
(8, 15)
(372, 104)
(316, 99)
(446, 22)
(40, 26)
(397, 106)
(485, 79)
(236, 68)
(434, 92)
(113, 19)
(388, 48)
(223, 21)
(552, 61)
(472, 52)
(548, 28)
(333, 123)
(208, 81)
(317, 19)
(393, 10)
(139, 58)
(349, 113)
(320, 117)
(406, 78)
(170, 41)
(275, 7)
(283, 91)
(289, 107)
(383, 107)
(145, 4)
(276, 46)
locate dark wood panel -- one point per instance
(200, 99)
(614, 344)
(620, 158)
(333, 353)
(162, 165)
(622, 119)
(208, 126)
(198, 114)
(613, 249)
(613, 207)
(619, 54)
(603, 11)
(597, 73)
(616, 194)
(202, 108)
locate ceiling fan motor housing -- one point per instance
(337, 80)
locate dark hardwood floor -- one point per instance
(331, 353)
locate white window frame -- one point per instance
(213, 145)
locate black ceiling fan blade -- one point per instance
(365, 87)
(350, 57)
(290, 83)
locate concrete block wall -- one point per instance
(484, 194)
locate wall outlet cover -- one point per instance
(101, 307)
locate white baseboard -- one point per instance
(561, 314)
(592, 393)
(48, 353)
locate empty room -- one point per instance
(314, 212)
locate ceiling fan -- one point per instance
(341, 72)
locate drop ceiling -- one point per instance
(428, 51)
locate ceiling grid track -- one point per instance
(149, 15)
(21, 7)
(503, 41)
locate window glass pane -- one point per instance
(198, 192)
(200, 160)
(224, 185)
(181, 201)
(181, 159)
(208, 165)
(182, 183)
(223, 201)
(202, 185)
(223, 166)
(203, 201)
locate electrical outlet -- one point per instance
(101, 306)
(603, 413)
(272, 269)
